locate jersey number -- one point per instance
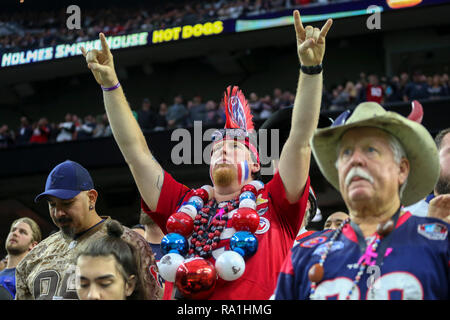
(47, 282)
(390, 286)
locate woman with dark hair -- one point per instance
(107, 268)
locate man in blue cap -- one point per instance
(48, 272)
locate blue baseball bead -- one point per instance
(174, 243)
(244, 243)
(197, 202)
(247, 195)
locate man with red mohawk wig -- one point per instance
(225, 241)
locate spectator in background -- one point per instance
(152, 233)
(146, 117)
(24, 132)
(393, 90)
(197, 110)
(374, 91)
(442, 186)
(23, 236)
(102, 128)
(86, 130)
(417, 89)
(255, 105)
(3, 263)
(267, 107)
(177, 113)
(66, 129)
(286, 100)
(41, 132)
(340, 98)
(335, 220)
(6, 139)
(352, 92)
(445, 83)
(213, 115)
(435, 89)
(277, 98)
(161, 117)
(139, 228)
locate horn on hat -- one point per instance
(416, 112)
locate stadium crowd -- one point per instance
(382, 164)
(30, 30)
(183, 113)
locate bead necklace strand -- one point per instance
(316, 272)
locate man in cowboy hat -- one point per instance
(281, 213)
(379, 161)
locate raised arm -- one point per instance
(146, 171)
(296, 154)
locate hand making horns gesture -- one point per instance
(101, 64)
(310, 41)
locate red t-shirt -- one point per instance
(279, 225)
(374, 93)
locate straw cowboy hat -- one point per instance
(419, 146)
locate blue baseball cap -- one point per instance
(66, 181)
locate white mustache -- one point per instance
(357, 172)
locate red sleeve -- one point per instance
(172, 195)
(290, 215)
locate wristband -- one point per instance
(111, 88)
(312, 69)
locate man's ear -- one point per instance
(32, 245)
(92, 195)
(130, 285)
(404, 170)
(255, 167)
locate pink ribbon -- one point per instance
(368, 255)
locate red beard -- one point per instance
(224, 174)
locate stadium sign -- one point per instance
(71, 49)
(258, 22)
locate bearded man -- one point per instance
(280, 204)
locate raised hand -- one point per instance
(440, 207)
(310, 41)
(101, 64)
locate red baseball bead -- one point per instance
(206, 247)
(198, 217)
(210, 235)
(204, 220)
(202, 193)
(213, 245)
(217, 233)
(245, 219)
(251, 188)
(196, 278)
(181, 223)
(200, 232)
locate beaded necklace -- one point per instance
(208, 228)
(204, 225)
(316, 272)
